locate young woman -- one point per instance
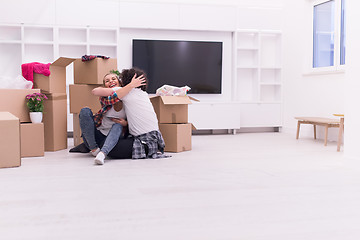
(108, 125)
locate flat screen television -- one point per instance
(197, 64)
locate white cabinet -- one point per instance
(258, 76)
(219, 115)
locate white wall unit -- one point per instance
(258, 76)
(251, 58)
(217, 115)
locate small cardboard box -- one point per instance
(55, 122)
(93, 71)
(80, 96)
(9, 140)
(32, 139)
(13, 101)
(171, 109)
(177, 137)
(76, 130)
(56, 81)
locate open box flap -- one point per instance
(63, 61)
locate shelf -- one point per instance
(38, 34)
(10, 33)
(72, 35)
(103, 37)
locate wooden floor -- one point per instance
(251, 186)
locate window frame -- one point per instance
(337, 67)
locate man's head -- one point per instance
(127, 74)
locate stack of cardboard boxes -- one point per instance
(172, 114)
(30, 135)
(55, 107)
(87, 76)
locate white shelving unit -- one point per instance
(258, 77)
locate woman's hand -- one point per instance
(122, 121)
(137, 81)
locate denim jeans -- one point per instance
(93, 138)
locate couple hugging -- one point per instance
(126, 126)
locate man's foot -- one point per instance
(95, 152)
(100, 158)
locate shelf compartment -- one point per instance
(38, 34)
(72, 35)
(10, 65)
(248, 40)
(103, 36)
(270, 75)
(247, 85)
(72, 51)
(39, 53)
(270, 54)
(247, 58)
(10, 33)
(270, 93)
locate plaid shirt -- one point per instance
(149, 145)
(106, 104)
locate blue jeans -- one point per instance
(93, 138)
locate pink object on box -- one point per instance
(28, 70)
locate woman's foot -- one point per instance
(100, 158)
(95, 152)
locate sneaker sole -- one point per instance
(99, 162)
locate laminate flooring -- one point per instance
(247, 186)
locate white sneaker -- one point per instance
(100, 158)
(95, 153)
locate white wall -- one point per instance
(352, 86)
(306, 94)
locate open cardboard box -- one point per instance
(56, 81)
(171, 109)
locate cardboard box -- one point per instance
(55, 122)
(32, 139)
(9, 140)
(171, 109)
(76, 130)
(93, 71)
(56, 81)
(80, 96)
(177, 137)
(13, 101)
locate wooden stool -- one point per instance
(326, 122)
(341, 130)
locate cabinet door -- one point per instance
(148, 15)
(206, 17)
(215, 115)
(260, 115)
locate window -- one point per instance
(328, 34)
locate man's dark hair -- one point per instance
(127, 74)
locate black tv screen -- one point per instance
(196, 64)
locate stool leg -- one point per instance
(298, 130)
(326, 134)
(341, 130)
(314, 131)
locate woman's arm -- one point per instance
(135, 82)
